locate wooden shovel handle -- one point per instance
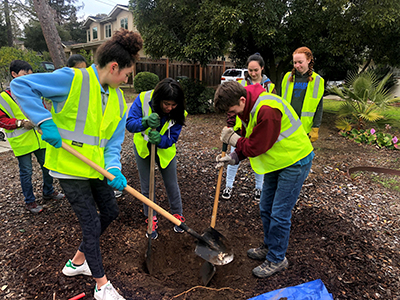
(151, 188)
(128, 188)
(218, 189)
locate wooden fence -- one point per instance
(210, 74)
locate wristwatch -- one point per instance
(19, 122)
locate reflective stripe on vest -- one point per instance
(140, 139)
(270, 86)
(22, 141)
(292, 144)
(84, 125)
(314, 93)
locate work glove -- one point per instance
(152, 121)
(154, 137)
(313, 134)
(119, 182)
(28, 125)
(50, 133)
(226, 160)
(229, 136)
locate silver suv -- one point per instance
(234, 75)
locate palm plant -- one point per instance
(365, 99)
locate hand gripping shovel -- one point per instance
(149, 263)
(208, 268)
(210, 245)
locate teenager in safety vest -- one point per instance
(89, 114)
(304, 90)
(162, 109)
(277, 146)
(25, 141)
(255, 65)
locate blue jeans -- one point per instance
(231, 174)
(170, 179)
(278, 197)
(85, 196)
(25, 175)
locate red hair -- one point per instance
(307, 52)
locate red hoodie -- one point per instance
(267, 130)
(5, 121)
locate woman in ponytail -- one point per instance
(89, 114)
(304, 90)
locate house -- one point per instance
(99, 28)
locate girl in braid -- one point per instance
(304, 90)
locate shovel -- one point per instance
(208, 269)
(210, 245)
(149, 263)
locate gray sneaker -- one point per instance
(259, 253)
(34, 208)
(269, 268)
(54, 196)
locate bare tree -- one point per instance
(8, 24)
(46, 17)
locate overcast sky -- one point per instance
(94, 7)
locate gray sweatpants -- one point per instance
(170, 182)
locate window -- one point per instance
(88, 35)
(124, 23)
(94, 33)
(108, 30)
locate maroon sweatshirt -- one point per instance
(267, 130)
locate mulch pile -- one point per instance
(344, 230)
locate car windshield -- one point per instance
(233, 73)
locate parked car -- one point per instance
(233, 75)
(46, 66)
(2, 135)
(333, 83)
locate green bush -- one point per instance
(199, 98)
(145, 81)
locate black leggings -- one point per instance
(84, 196)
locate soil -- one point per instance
(344, 230)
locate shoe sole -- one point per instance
(227, 198)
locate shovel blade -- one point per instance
(207, 272)
(212, 248)
(149, 263)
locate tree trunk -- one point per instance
(8, 24)
(50, 33)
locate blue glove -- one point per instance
(154, 137)
(119, 182)
(50, 133)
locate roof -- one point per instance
(103, 18)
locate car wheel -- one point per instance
(2, 136)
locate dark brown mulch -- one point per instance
(344, 231)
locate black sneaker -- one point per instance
(54, 196)
(269, 268)
(259, 253)
(227, 193)
(34, 208)
(257, 195)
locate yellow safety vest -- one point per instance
(238, 122)
(314, 93)
(140, 139)
(83, 125)
(22, 141)
(292, 144)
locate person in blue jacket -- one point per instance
(162, 109)
(89, 114)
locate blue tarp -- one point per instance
(313, 290)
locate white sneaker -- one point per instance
(71, 270)
(117, 194)
(107, 292)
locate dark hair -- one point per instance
(256, 57)
(170, 89)
(18, 65)
(122, 48)
(307, 52)
(75, 59)
(227, 95)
